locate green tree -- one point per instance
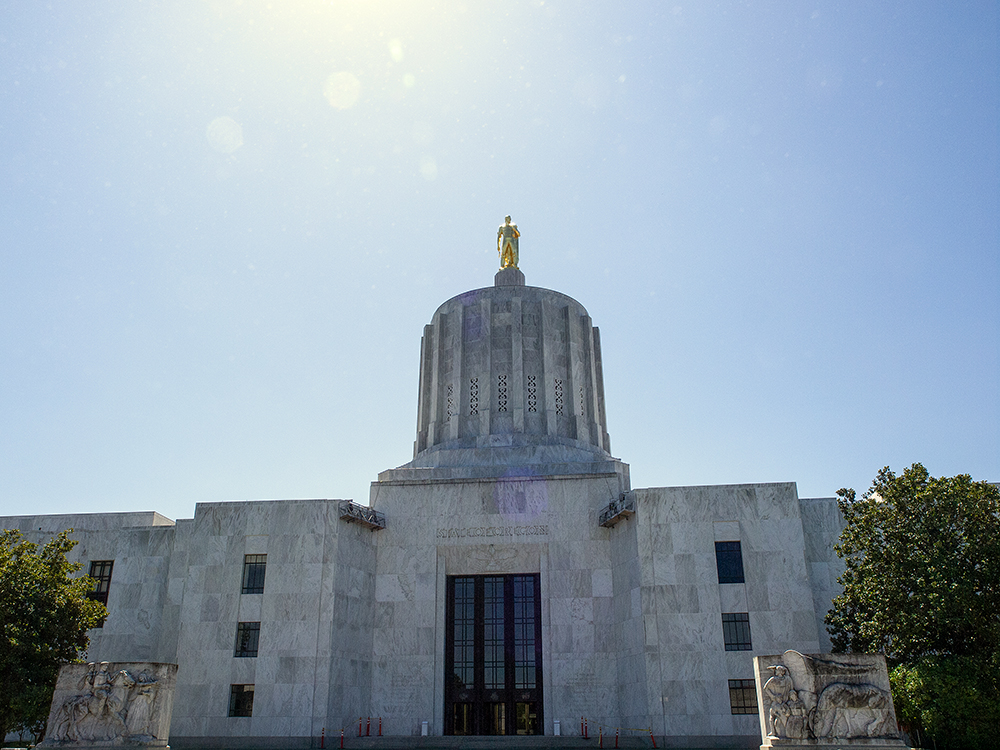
(922, 586)
(44, 618)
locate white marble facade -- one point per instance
(352, 621)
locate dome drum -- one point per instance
(511, 366)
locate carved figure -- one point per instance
(777, 692)
(853, 710)
(140, 709)
(115, 706)
(507, 236)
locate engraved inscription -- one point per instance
(493, 531)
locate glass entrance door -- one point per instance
(493, 655)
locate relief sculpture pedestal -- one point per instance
(828, 701)
(112, 704)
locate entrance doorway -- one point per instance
(493, 655)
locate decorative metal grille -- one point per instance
(451, 403)
(583, 403)
(473, 397)
(559, 396)
(532, 394)
(501, 393)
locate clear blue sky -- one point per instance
(224, 224)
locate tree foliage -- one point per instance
(922, 586)
(952, 700)
(922, 574)
(44, 618)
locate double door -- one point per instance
(493, 655)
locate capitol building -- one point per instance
(506, 580)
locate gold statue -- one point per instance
(507, 236)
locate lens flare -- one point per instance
(342, 90)
(224, 134)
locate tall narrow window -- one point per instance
(736, 631)
(247, 639)
(100, 571)
(254, 568)
(493, 655)
(494, 658)
(241, 700)
(464, 634)
(729, 559)
(742, 697)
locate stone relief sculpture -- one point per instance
(507, 236)
(825, 699)
(101, 704)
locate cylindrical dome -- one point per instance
(510, 373)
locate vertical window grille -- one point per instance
(532, 394)
(451, 402)
(493, 634)
(583, 403)
(729, 560)
(524, 632)
(247, 639)
(501, 393)
(254, 568)
(742, 697)
(465, 634)
(473, 397)
(736, 631)
(559, 396)
(241, 700)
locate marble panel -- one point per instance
(733, 597)
(681, 598)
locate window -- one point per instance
(247, 638)
(241, 700)
(729, 560)
(493, 655)
(742, 697)
(253, 573)
(100, 571)
(736, 631)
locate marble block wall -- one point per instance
(307, 621)
(822, 524)
(682, 600)
(543, 524)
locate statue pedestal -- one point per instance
(509, 277)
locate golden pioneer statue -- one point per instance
(507, 236)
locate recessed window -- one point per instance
(241, 700)
(254, 567)
(736, 631)
(100, 571)
(742, 697)
(247, 638)
(729, 559)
